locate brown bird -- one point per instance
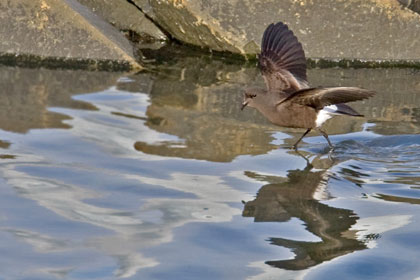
(288, 100)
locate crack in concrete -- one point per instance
(160, 27)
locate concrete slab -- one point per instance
(373, 30)
(61, 33)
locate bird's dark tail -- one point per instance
(344, 109)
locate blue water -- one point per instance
(159, 175)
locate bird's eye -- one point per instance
(250, 95)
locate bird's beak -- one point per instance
(244, 105)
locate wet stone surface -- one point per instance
(159, 175)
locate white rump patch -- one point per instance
(325, 114)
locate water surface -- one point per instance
(159, 175)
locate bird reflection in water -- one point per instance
(297, 196)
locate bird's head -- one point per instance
(251, 97)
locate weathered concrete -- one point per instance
(145, 6)
(62, 30)
(67, 33)
(342, 29)
(413, 5)
(125, 16)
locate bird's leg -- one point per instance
(308, 163)
(297, 142)
(326, 137)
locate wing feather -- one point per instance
(321, 97)
(282, 60)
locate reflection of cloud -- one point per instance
(40, 242)
(369, 229)
(67, 201)
(177, 212)
(132, 231)
(131, 263)
(111, 120)
(269, 273)
(57, 272)
(211, 188)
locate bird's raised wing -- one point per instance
(321, 97)
(282, 59)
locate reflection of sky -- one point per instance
(131, 233)
(368, 229)
(393, 242)
(82, 203)
(121, 131)
(73, 190)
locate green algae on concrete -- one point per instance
(35, 61)
(354, 63)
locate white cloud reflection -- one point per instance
(132, 231)
(121, 131)
(369, 229)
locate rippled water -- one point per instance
(159, 175)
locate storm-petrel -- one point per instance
(288, 100)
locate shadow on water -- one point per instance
(299, 196)
(382, 168)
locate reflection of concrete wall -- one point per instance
(198, 99)
(397, 99)
(27, 93)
